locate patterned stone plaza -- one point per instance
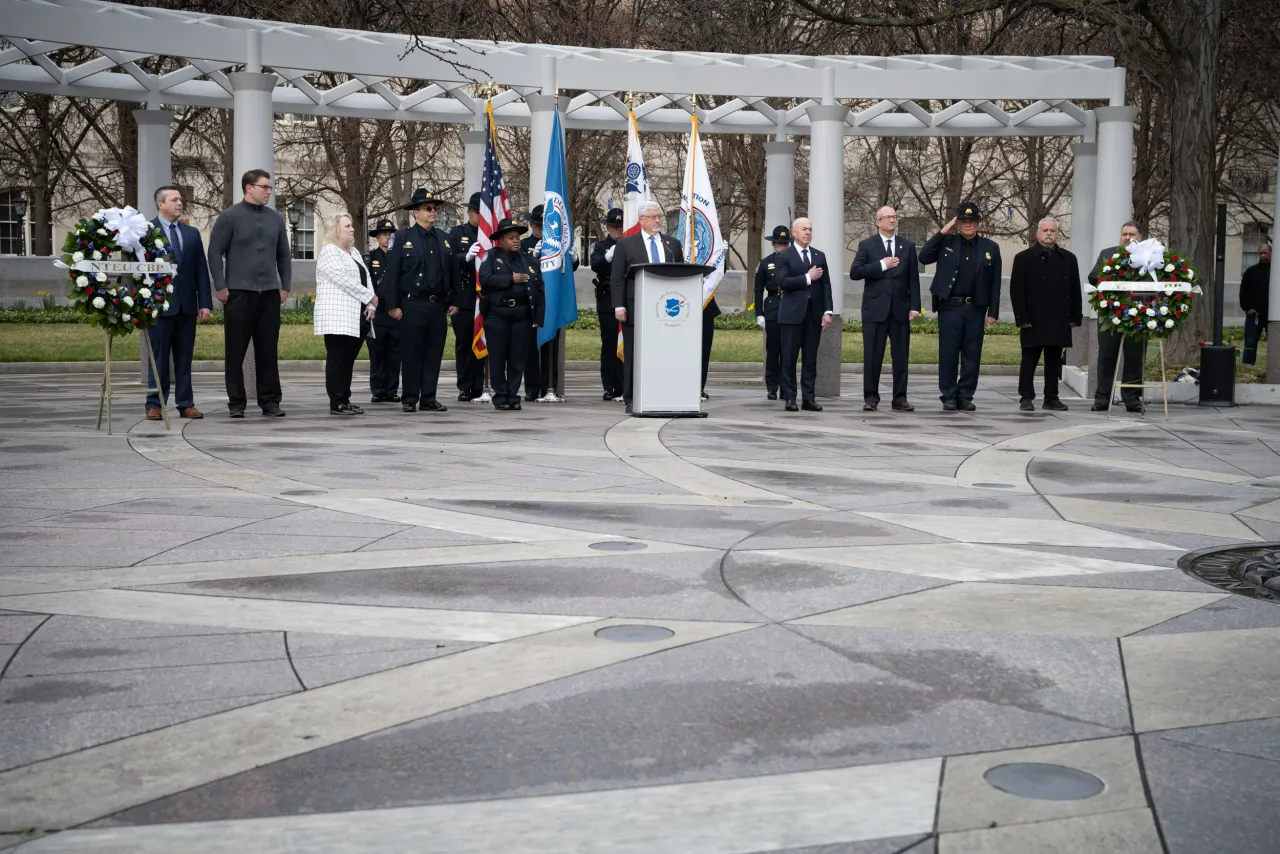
(384, 633)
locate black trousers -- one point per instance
(1109, 347)
(772, 354)
(533, 387)
(874, 335)
(340, 352)
(610, 364)
(252, 316)
(960, 332)
(423, 330)
(507, 330)
(629, 359)
(384, 360)
(708, 336)
(173, 335)
(549, 363)
(1027, 373)
(470, 369)
(797, 338)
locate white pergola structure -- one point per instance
(259, 68)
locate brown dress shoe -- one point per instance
(191, 412)
(154, 414)
(903, 407)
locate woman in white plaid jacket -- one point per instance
(345, 302)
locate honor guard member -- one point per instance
(766, 302)
(966, 295)
(384, 346)
(601, 265)
(420, 286)
(513, 303)
(542, 360)
(466, 247)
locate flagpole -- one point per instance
(693, 165)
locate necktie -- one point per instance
(888, 246)
(176, 242)
(653, 250)
(804, 253)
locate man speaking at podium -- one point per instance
(647, 246)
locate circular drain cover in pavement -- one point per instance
(618, 546)
(304, 492)
(1044, 782)
(995, 485)
(767, 502)
(634, 634)
(1250, 569)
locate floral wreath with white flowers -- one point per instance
(119, 303)
(1144, 291)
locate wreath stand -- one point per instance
(109, 391)
(1163, 385)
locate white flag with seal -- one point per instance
(699, 230)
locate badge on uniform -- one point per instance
(446, 244)
(771, 266)
(988, 256)
(408, 245)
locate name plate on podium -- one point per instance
(667, 374)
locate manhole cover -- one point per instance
(767, 502)
(995, 485)
(304, 492)
(634, 634)
(618, 546)
(1044, 782)
(1250, 569)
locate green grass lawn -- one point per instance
(76, 342)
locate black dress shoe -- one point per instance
(1026, 405)
(531, 397)
(434, 406)
(949, 406)
(1098, 407)
(515, 406)
(706, 396)
(811, 406)
(392, 398)
(791, 406)
(464, 396)
(870, 407)
(967, 405)
(773, 395)
(273, 412)
(236, 413)
(1133, 407)
(608, 395)
(345, 409)
(628, 410)
(378, 398)
(903, 407)
(1055, 405)
(408, 407)
(501, 406)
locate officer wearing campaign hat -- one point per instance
(966, 295)
(421, 289)
(466, 247)
(766, 302)
(513, 304)
(384, 343)
(602, 265)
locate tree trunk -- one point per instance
(41, 187)
(127, 128)
(1193, 88)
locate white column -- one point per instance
(1084, 185)
(1273, 305)
(779, 187)
(826, 212)
(1113, 202)
(155, 169)
(472, 161)
(541, 121)
(253, 133)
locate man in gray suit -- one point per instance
(890, 301)
(1110, 343)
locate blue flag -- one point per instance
(557, 243)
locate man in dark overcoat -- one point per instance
(1045, 289)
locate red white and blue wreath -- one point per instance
(1145, 291)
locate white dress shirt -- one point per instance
(662, 250)
(884, 262)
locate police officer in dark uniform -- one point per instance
(384, 346)
(420, 287)
(513, 304)
(542, 360)
(966, 295)
(465, 247)
(766, 302)
(601, 265)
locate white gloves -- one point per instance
(537, 249)
(608, 254)
(473, 251)
(760, 320)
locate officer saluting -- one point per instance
(420, 287)
(513, 304)
(601, 265)
(966, 293)
(384, 346)
(466, 247)
(766, 300)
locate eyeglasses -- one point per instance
(266, 187)
(427, 208)
(651, 216)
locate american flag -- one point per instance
(493, 207)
